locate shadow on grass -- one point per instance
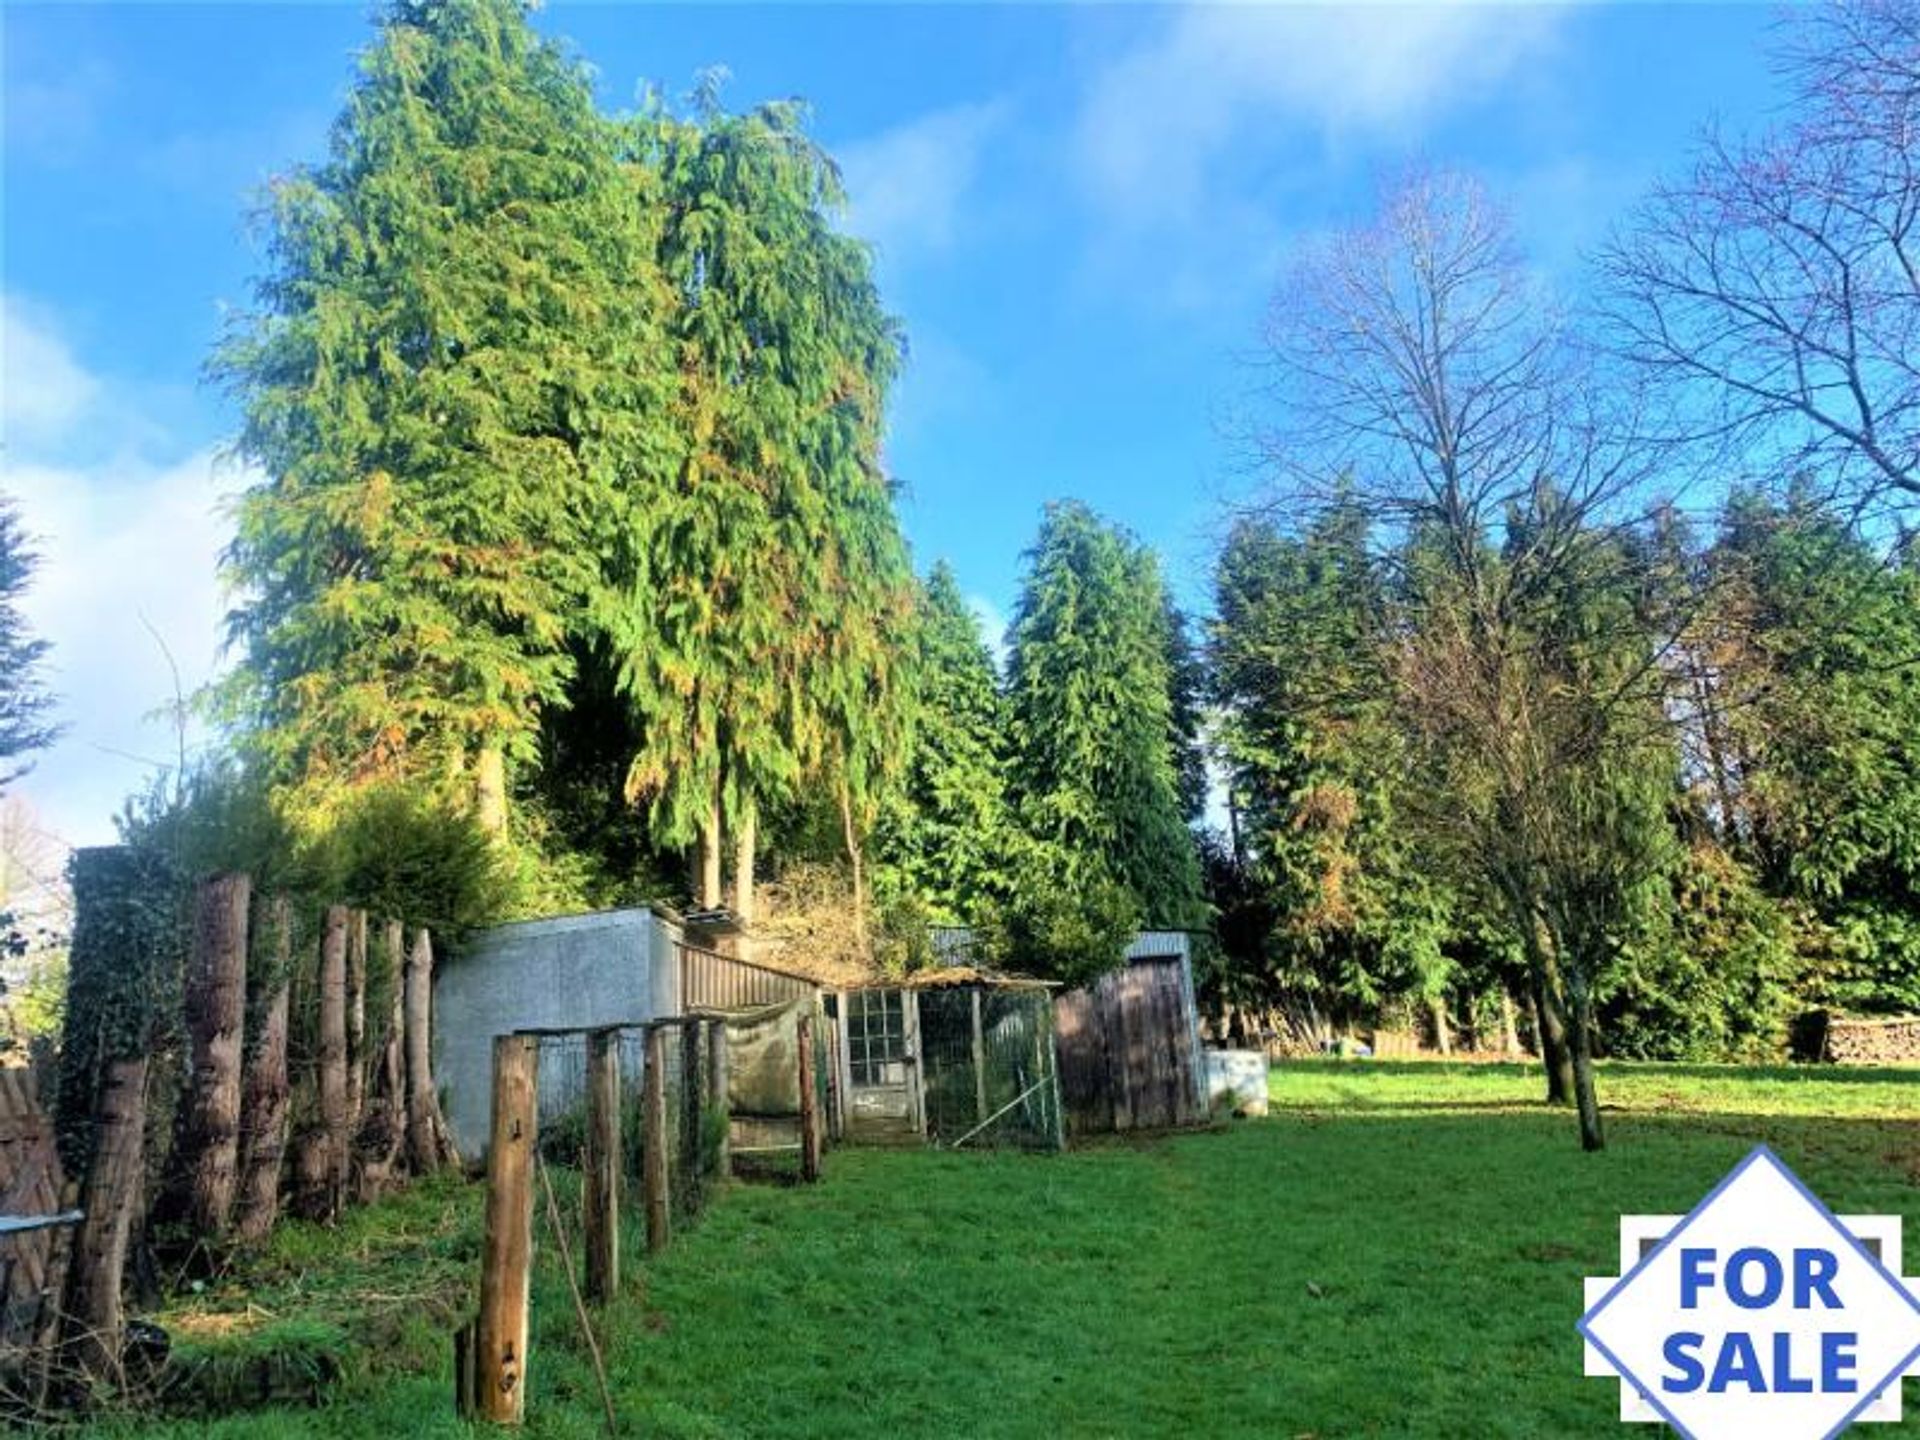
(1519, 1069)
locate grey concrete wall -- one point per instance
(579, 971)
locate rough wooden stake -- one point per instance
(809, 1106)
(600, 1188)
(356, 1022)
(382, 1136)
(334, 1119)
(506, 1261)
(653, 1140)
(43, 1354)
(429, 1146)
(95, 1319)
(465, 1403)
(692, 1090)
(216, 1008)
(264, 1091)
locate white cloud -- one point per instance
(129, 554)
(44, 391)
(907, 187)
(1159, 116)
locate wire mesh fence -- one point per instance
(692, 1126)
(988, 1067)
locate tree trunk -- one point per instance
(852, 838)
(1442, 1032)
(429, 1146)
(1580, 1042)
(95, 1317)
(265, 1090)
(1549, 1018)
(216, 1008)
(334, 1115)
(490, 790)
(708, 893)
(1554, 1053)
(1509, 1028)
(745, 844)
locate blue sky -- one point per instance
(1080, 211)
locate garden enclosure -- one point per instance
(611, 1133)
(950, 1055)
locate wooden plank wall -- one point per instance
(1126, 1050)
(30, 1184)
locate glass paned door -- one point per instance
(881, 1058)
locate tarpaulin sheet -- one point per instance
(763, 1058)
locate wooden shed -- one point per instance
(1129, 1044)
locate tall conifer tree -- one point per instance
(454, 362)
(25, 706)
(758, 613)
(1093, 770)
(944, 834)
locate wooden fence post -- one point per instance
(264, 1088)
(333, 1053)
(216, 1009)
(381, 1138)
(497, 1374)
(356, 1024)
(601, 1184)
(429, 1146)
(979, 1062)
(653, 1140)
(717, 1095)
(809, 1106)
(95, 1320)
(43, 1349)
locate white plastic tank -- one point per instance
(1237, 1081)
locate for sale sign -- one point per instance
(1761, 1315)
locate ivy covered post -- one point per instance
(123, 971)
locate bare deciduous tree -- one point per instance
(1775, 290)
(1419, 372)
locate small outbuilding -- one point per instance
(1128, 1045)
(954, 1055)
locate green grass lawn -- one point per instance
(1397, 1251)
